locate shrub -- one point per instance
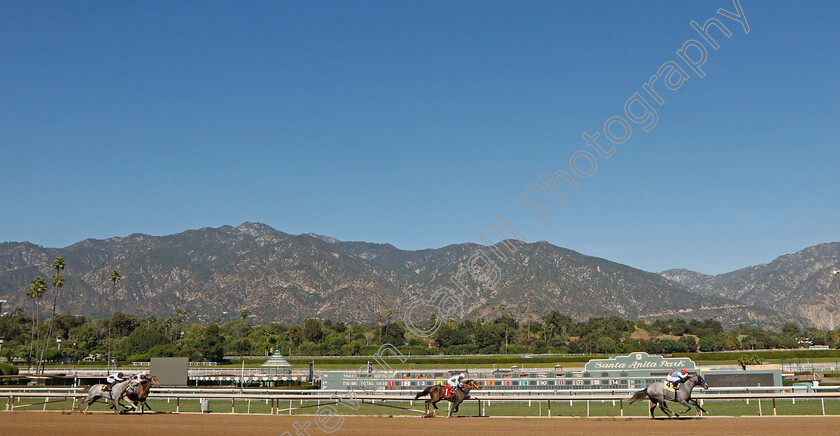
(8, 369)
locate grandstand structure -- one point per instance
(633, 371)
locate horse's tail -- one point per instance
(424, 392)
(638, 396)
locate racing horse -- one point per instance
(96, 392)
(137, 394)
(658, 394)
(436, 392)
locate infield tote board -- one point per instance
(170, 371)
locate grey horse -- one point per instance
(98, 391)
(657, 394)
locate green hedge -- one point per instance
(7, 369)
(468, 360)
(781, 354)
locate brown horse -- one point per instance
(436, 392)
(139, 393)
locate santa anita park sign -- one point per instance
(640, 362)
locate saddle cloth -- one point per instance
(669, 386)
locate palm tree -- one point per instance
(181, 314)
(114, 279)
(36, 291)
(58, 283)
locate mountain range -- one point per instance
(218, 272)
(800, 284)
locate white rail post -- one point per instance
(822, 402)
(621, 405)
(587, 408)
(759, 407)
(549, 408)
(774, 406)
(290, 406)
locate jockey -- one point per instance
(137, 378)
(677, 377)
(114, 379)
(452, 383)
(135, 381)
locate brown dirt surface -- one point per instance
(46, 423)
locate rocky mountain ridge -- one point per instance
(218, 272)
(800, 284)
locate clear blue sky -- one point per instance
(416, 123)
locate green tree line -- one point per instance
(126, 337)
(136, 338)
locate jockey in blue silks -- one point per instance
(677, 377)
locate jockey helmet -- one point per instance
(463, 375)
(684, 372)
(120, 375)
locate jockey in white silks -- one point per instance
(452, 383)
(677, 377)
(114, 379)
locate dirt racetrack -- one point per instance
(45, 423)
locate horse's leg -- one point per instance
(133, 404)
(89, 401)
(117, 405)
(664, 408)
(652, 408)
(687, 405)
(697, 405)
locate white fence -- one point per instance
(275, 398)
